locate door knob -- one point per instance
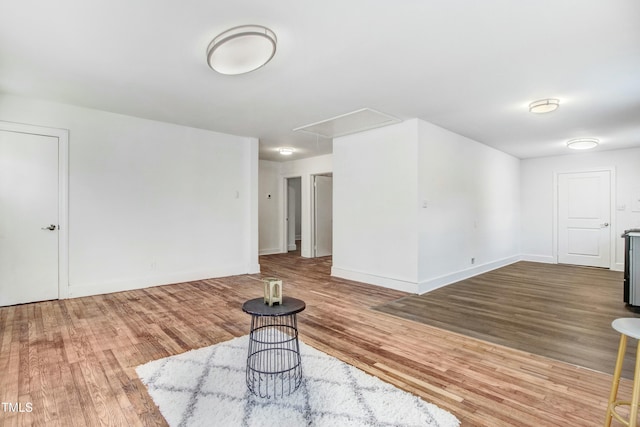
(606, 224)
(50, 228)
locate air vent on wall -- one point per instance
(346, 124)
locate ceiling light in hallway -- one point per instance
(542, 106)
(583, 143)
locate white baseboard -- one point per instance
(270, 251)
(426, 285)
(546, 259)
(372, 279)
(447, 279)
(129, 284)
(292, 247)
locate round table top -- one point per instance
(629, 326)
(257, 307)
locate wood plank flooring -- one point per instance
(74, 360)
(558, 311)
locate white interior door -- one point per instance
(584, 210)
(28, 218)
(323, 203)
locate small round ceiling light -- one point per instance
(286, 151)
(542, 106)
(241, 49)
(583, 143)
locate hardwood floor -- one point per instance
(559, 311)
(74, 360)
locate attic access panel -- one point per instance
(346, 124)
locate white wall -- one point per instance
(384, 235)
(304, 169)
(538, 198)
(270, 234)
(150, 203)
(375, 190)
(472, 193)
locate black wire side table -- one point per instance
(274, 368)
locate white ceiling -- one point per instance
(469, 66)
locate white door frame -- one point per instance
(312, 210)
(612, 204)
(285, 193)
(63, 194)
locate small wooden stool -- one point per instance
(628, 327)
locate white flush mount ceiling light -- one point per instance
(286, 151)
(583, 143)
(241, 49)
(544, 105)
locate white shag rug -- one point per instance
(207, 387)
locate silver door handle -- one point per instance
(606, 224)
(50, 228)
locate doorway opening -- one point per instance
(293, 215)
(322, 215)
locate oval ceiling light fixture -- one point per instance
(286, 151)
(241, 49)
(583, 143)
(542, 106)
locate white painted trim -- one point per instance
(545, 259)
(424, 286)
(254, 209)
(283, 210)
(63, 194)
(312, 215)
(292, 247)
(372, 279)
(271, 251)
(555, 214)
(111, 286)
(283, 214)
(312, 211)
(438, 282)
(448, 279)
